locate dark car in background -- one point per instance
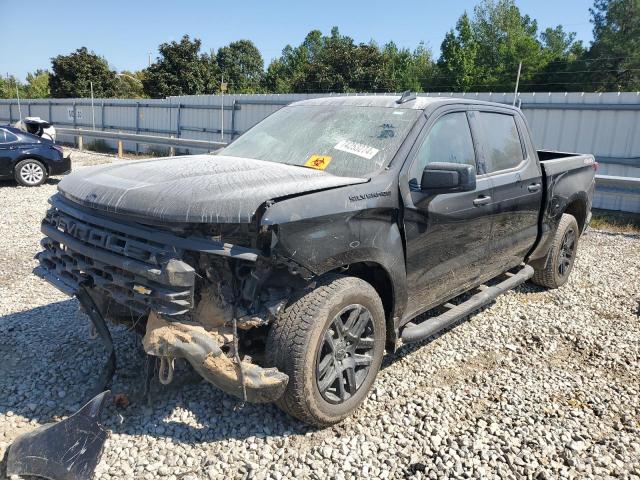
(30, 159)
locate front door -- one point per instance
(447, 234)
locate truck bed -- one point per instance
(569, 183)
(554, 162)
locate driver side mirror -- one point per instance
(444, 177)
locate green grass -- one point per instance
(615, 221)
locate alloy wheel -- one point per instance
(31, 173)
(566, 253)
(345, 354)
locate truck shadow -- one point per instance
(410, 348)
(50, 364)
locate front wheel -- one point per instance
(330, 341)
(30, 173)
(562, 254)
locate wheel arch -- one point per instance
(380, 279)
(31, 156)
(578, 208)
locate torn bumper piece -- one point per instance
(67, 450)
(201, 348)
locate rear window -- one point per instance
(7, 137)
(500, 142)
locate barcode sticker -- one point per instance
(355, 148)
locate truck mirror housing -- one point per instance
(444, 177)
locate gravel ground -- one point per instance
(541, 384)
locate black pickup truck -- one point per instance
(283, 266)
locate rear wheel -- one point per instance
(30, 173)
(330, 341)
(562, 254)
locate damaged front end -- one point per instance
(205, 293)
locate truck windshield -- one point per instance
(347, 141)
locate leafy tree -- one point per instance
(181, 70)
(73, 73)
(241, 65)
(288, 73)
(505, 37)
(565, 69)
(404, 69)
(459, 57)
(614, 56)
(484, 51)
(8, 87)
(335, 63)
(130, 84)
(37, 85)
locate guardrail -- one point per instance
(138, 138)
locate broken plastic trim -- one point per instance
(90, 308)
(67, 450)
(201, 349)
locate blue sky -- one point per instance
(124, 32)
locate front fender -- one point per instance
(325, 244)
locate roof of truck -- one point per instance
(390, 101)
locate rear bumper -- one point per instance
(61, 167)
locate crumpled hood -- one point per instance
(193, 189)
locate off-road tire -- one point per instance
(549, 276)
(296, 337)
(30, 173)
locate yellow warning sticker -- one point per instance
(319, 162)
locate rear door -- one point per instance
(447, 234)
(510, 163)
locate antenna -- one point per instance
(406, 97)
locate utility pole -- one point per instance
(18, 97)
(223, 88)
(515, 93)
(149, 55)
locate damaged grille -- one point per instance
(118, 259)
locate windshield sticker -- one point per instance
(319, 162)
(398, 112)
(355, 148)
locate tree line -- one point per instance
(482, 53)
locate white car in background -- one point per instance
(37, 126)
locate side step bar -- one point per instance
(431, 326)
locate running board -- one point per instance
(431, 326)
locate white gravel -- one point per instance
(542, 384)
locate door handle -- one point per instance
(483, 200)
(534, 187)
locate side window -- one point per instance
(500, 141)
(449, 140)
(7, 137)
